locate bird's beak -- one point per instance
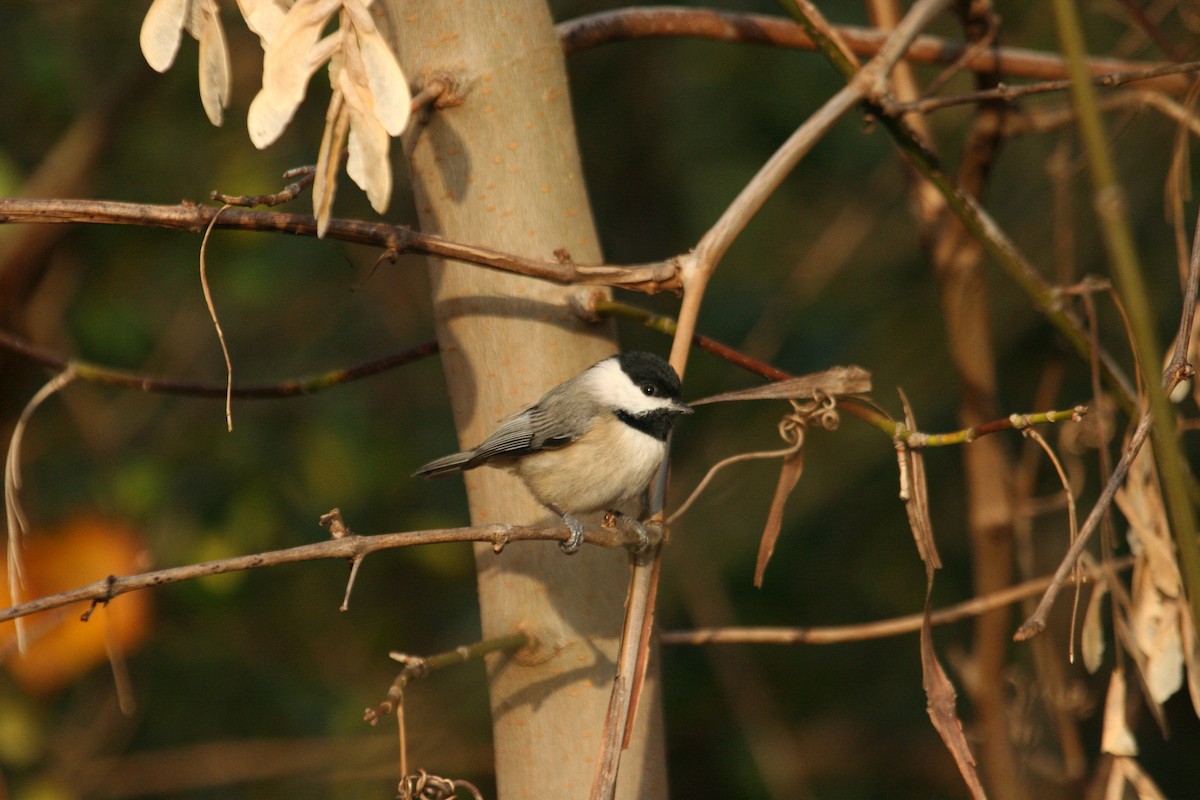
(683, 408)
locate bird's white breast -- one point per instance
(587, 475)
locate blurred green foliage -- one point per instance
(670, 131)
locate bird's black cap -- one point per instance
(647, 368)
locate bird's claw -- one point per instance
(572, 544)
(627, 522)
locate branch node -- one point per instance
(583, 303)
(109, 582)
(332, 521)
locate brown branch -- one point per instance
(290, 388)
(1008, 93)
(349, 546)
(650, 278)
(1036, 623)
(606, 27)
(880, 629)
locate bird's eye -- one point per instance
(649, 390)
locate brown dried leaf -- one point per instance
(262, 17)
(368, 164)
(215, 81)
(1117, 739)
(1155, 624)
(940, 699)
(914, 491)
(391, 97)
(834, 382)
(290, 59)
(1154, 619)
(162, 30)
(789, 476)
(1091, 638)
(337, 122)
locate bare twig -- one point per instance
(867, 631)
(306, 175)
(1008, 94)
(96, 373)
(212, 313)
(15, 519)
(348, 547)
(416, 667)
(651, 278)
(621, 24)
(1036, 623)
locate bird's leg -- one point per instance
(643, 537)
(571, 545)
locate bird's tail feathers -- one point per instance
(446, 465)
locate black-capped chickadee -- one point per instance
(592, 443)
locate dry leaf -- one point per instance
(1091, 638)
(940, 701)
(914, 491)
(1117, 739)
(263, 17)
(940, 697)
(161, 32)
(368, 164)
(1154, 623)
(834, 382)
(290, 59)
(215, 81)
(391, 97)
(789, 476)
(337, 122)
(1154, 618)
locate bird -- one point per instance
(592, 443)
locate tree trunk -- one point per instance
(502, 169)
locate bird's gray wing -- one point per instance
(552, 422)
(526, 433)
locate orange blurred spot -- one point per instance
(60, 647)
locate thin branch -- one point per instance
(96, 373)
(897, 626)
(854, 406)
(16, 523)
(212, 313)
(978, 222)
(650, 278)
(1009, 93)
(1036, 623)
(623, 24)
(351, 546)
(416, 667)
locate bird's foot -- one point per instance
(631, 523)
(572, 544)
